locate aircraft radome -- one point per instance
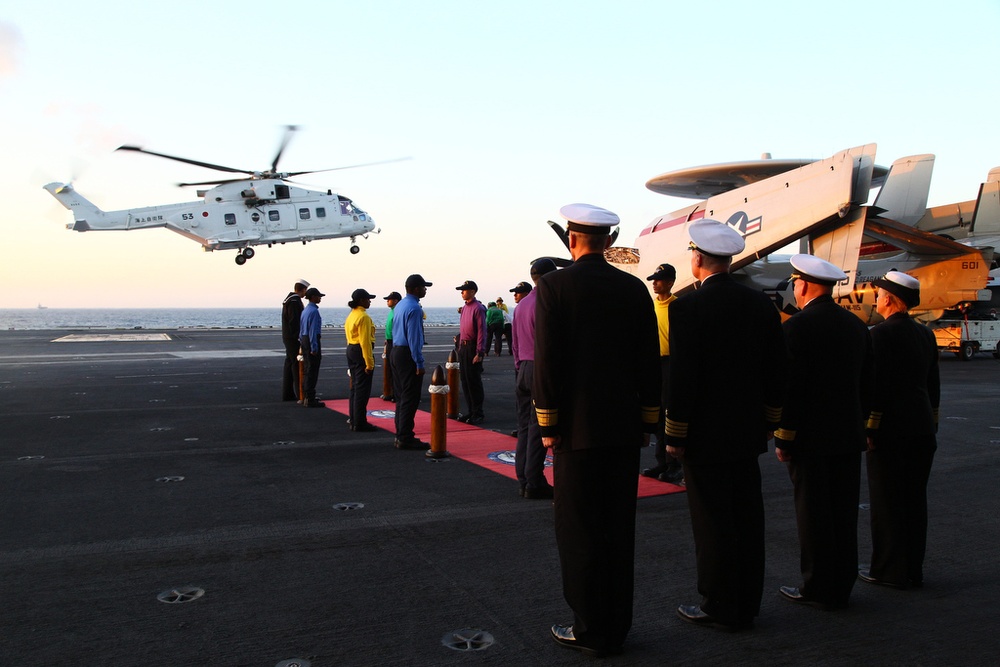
(259, 208)
(822, 204)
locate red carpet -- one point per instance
(483, 447)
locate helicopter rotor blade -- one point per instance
(197, 163)
(228, 180)
(289, 131)
(353, 166)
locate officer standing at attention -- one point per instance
(390, 301)
(830, 374)
(727, 360)
(291, 315)
(902, 438)
(408, 360)
(471, 350)
(360, 333)
(529, 459)
(310, 329)
(595, 397)
(667, 469)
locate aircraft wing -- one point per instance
(911, 239)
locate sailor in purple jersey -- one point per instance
(471, 350)
(529, 461)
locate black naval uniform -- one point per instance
(902, 427)
(291, 314)
(597, 387)
(830, 375)
(727, 359)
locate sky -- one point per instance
(508, 111)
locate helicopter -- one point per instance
(262, 207)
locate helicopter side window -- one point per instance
(273, 215)
(281, 192)
(230, 218)
(320, 212)
(303, 214)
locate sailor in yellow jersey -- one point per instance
(360, 357)
(668, 468)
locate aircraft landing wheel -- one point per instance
(966, 351)
(249, 252)
(241, 260)
(355, 250)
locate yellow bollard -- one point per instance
(453, 381)
(439, 427)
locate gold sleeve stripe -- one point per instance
(785, 434)
(676, 429)
(874, 421)
(772, 414)
(547, 416)
(650, 415)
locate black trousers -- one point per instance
(472, 379)
(595, 500)
(727, 517)
(290, 372)
(897, 489)
(494, 338)
(407, 385)
(387, 369)
(310, 366)
(529, 460)
(361, 386)
(826, 512)
(664, 460)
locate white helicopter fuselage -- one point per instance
(235, 215)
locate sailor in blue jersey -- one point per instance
(310, 329)
(407, 357)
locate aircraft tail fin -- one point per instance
(75, 202)
(903, 197)
(986, 218)
(841, 247)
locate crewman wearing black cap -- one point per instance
(360, 333)
(902, 438)
(727, 360)
(408, 360)
(310, 335)
(390, 301)
(667, 468)
(291, 316)
(595, 398)
(830, 374)
(471, 350)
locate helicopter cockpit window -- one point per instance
(320, 212)
(303, 214)
(273, 215)
(346, 207)
(230, 218)
(281, 192)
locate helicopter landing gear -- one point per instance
(355, 250)
(244, 255)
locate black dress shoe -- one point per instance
(672, 476)
(865, 575)
(540, 493)
(411, 444)
(463, 418)
(795, 595)
(654, 472)
(475, 419)
(315, 404)
(365, 428)
(563, 635)
(694, 614)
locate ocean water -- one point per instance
(187, 318)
